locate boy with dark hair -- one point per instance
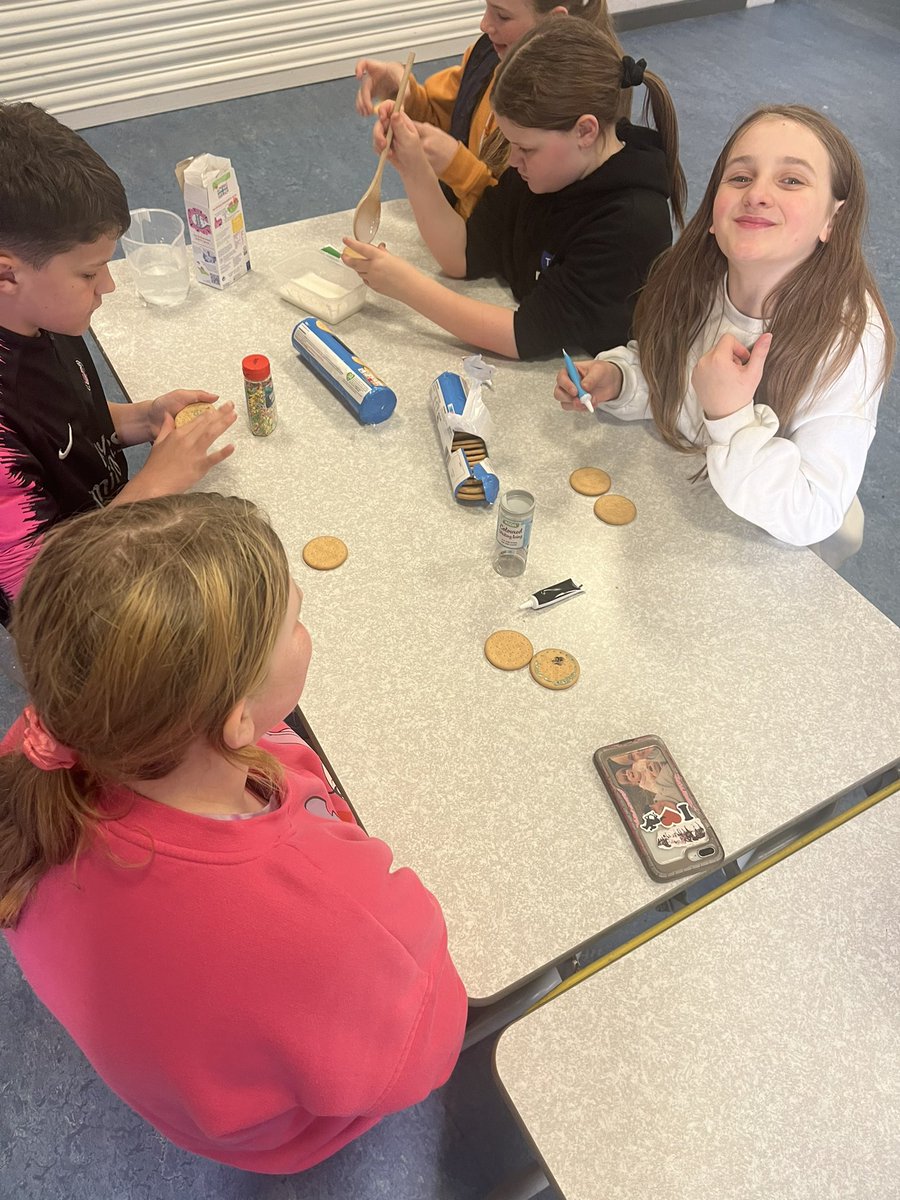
(61, 210)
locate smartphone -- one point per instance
(665, 822)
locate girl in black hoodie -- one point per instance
(573, 229)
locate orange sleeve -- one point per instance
(433, 100)
(467, 175)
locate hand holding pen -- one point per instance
(572, 373)
(604, 379)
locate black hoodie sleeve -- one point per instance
(489, 230)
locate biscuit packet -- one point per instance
(463, 424)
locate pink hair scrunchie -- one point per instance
(41, 748)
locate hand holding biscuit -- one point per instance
(600, 379)
(172, 403)
(181, 457)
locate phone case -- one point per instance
(665, 822)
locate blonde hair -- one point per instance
(562, 70)
(139, 628)
(592, 13)
(820, 304)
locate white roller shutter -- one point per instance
(93, 61)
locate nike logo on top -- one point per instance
(65, 453)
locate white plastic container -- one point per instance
(319, 284)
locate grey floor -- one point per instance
(303, 152)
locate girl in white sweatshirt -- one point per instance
(761, 341)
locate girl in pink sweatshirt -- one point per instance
(178, 882)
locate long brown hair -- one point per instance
(562, 70)
(139, 628)
(495, 149)
(818, 305)
(596, 13)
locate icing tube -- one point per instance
(544, 597)
(572, 372)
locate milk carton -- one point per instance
(212, 201)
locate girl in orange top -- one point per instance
(452, 109)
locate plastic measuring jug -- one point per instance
(155, 250)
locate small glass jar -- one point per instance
(515, 517)
(260, 394)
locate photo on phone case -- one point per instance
(663, 818)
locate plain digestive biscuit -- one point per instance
(590, 481)
(324, 553)
(190, 412)
(508, 650)
(615, 510)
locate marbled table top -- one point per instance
(772, 681)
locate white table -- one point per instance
(753, 1051)
(771, 680)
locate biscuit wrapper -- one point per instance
(354, 383)
(458, 409)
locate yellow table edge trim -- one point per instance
(722, 890)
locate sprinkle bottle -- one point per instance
(260, 394)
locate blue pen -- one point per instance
(583, 396)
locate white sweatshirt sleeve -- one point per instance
(633, 402)
(799, 487)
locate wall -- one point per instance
(94, 61)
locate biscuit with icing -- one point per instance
(555, 669)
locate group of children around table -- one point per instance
(179, 882)
(759, 341)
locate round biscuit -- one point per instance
(324, 553)
(590, 481)
(555, 669)
(190, 412)
(508, 650)
(615, 510)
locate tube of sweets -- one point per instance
(260, 394)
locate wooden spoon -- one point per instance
(367, 217)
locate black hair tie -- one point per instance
(632, 72)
